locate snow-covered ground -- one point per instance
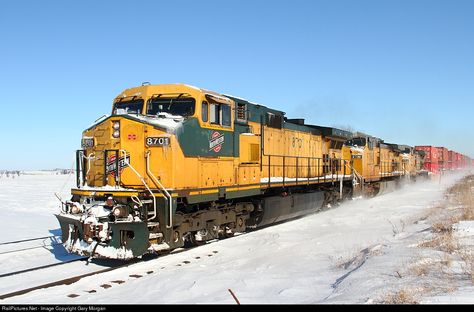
(27, 203)
(354, 253)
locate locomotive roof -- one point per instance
(333, 132)
(400, 148)
(255, 110)
(405, 148)
(367, 136)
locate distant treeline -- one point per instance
(9, 173)
(64, 171)
(17, 173)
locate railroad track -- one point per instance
(28, 240)
(39, 274)
(14, 252)
(41, 267)
(114, 265)
(29, 244)
(65, 281)
(72, 279)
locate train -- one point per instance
(174, 166)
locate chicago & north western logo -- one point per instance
(215, 141)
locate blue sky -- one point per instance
(400, 70)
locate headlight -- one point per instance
(120, 212)
(76, 209)
(116, 128)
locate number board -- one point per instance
(87, 143)
(157, 141)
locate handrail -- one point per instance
(303, 167)
(101, 117)
(88, 158)
(80, 181)
(157, 182)
(79, 168)
(356, 174)
(143, 181)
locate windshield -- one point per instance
(128, 107)
(357, 141)
(175, 106)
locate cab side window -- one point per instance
(225, 115)
(215, 114)
(220, 114)
(205, 111)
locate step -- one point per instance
(153, 224)
(155, 235)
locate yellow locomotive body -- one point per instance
(378, 166)
(175, 164)
(367, 157)
(408, 161)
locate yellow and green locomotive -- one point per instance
(177, 165)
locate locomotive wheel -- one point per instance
(194, 242)
(229, 235)
(226, 234)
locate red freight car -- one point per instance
(466, 161)
(442, 158)
(451, 159)
(457, 160)
(431, 158)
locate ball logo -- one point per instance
(216, 141)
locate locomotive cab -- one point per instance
(354, 149)
(132, 155)
(366, 153)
